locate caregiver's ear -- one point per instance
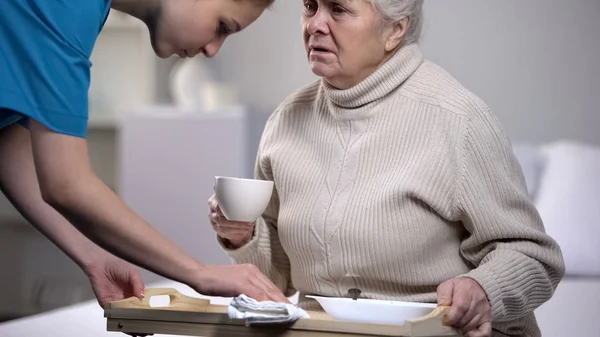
(397, 33)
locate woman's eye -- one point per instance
(310, 6)
(338, 9)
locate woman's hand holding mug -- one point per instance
(235, 233)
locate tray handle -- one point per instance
(432, 324)
(176, 300)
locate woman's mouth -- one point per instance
(319, 54)
(319, 50)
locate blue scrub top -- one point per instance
(45, 48)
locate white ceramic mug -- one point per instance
(242, 199)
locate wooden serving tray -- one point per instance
(189, 316)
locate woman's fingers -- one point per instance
(214, 218)
(470, 313)
(469, 308)
(460, 302)
(233, 234)
(213, 206)
(484, 330)
(231, 230)
(471, 325)
(218, 218)
(212, 203)
(232, 225)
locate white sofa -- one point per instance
(562, 182)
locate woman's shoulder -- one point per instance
(299, 101)
(305, 96)
(296, 105)
(433, 85)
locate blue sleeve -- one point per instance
(45, 48)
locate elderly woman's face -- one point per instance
(345, 40)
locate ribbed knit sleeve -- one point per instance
(518, 265)
(264, 250)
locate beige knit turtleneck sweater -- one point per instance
(394, 186)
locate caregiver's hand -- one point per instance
(113, 279)
(236, 233)
(233, 280)
(470, 310)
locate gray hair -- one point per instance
(394, 11)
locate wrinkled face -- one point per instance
(345, 40)
(189, 27)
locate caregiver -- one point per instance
(45, 171)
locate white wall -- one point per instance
(534, 62)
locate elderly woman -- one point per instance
(393, 178)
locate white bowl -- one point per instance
(373, 311)
(242, 199)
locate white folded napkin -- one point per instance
(254, 312)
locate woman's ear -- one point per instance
(397, 35)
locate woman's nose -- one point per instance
(318, 24)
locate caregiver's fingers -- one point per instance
(274, 294)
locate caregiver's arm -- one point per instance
(111, 278)
(68, 183)
(19, 182)
(519, 266)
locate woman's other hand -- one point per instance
(470, 310)
(235, 233)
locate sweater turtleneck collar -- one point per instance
(380, 83)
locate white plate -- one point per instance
(373, 311)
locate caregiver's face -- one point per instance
(345, 40)
(190, 27)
